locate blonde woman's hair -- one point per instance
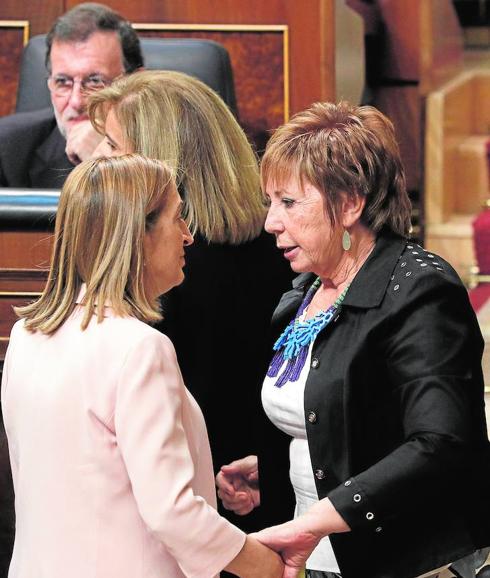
(174, 117)
(106, 206)
(340, 148)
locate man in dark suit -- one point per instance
(32, 151)
(87, 48)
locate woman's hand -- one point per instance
(238, 485)
(255, 560)
(296, 540)
(294, 543)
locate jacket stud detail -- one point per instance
(312, 418)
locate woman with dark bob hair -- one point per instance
(376, 376)
(110, 456)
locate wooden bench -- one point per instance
(26, 225)
(456, 170)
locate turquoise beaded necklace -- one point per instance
(293, 344)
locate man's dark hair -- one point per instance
(80, 22)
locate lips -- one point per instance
(76, 118)
(289, 252)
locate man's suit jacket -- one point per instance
(32, 151)
(110, 457)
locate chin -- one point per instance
(178, 280)
(300, 267)
(170, 284)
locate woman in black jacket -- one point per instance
(219, 318)
(376, 372)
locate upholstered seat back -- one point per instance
(204, 59)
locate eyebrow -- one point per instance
(66, 75)
(281, 191)
(113, 140)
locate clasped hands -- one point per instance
(238, 489)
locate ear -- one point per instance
(351, 209)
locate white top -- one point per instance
(110, 457)
(285, 408)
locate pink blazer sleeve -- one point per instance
(154, 446)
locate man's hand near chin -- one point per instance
(81, 141)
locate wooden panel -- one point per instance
(22, 280)
(481, 111)
(402, 38)
(13, 36)
(453, 241)
(25, 250)
(453, 115)
(458, 107)
(441, 42)
(8, 318)
(40, 13)
(456, 176)
(350, 54)
(16, 288)
(311, 24)
(423, 39)
(24, 259)
(472, 175)
(402, 105)
(258, 59)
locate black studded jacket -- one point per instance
(394, 414)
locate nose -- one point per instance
(272, 223)
(77, 97)
(188, 238)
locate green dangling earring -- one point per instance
(346, 241)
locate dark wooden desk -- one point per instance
(26, 233)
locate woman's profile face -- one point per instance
(165, 240)
(298, 219)
(114, 143)
(164, 248)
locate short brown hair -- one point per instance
(106, 206)
(340, 148)
(177, 118)
(79, 23)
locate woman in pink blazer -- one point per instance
(109, 452)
